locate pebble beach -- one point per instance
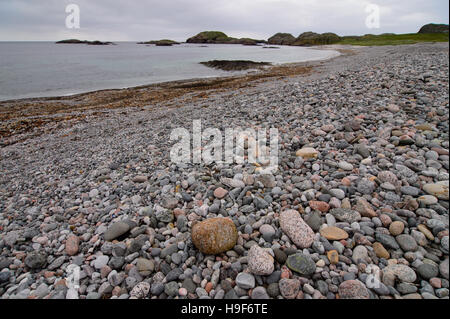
(358, 208)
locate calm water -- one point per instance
(36, 69)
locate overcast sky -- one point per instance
(133, 20)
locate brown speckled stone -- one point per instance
(297, 230)
(353, 289)
(333, 233)
(215, 235)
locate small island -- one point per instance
(76, 41)
(217, 37)
(161, 43)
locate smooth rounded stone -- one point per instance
(346, 215)
(302, 264)
(274, 277)
(289, 288)
(307, 152)
(406, 288)
(353, 289)
(268, 232)
(145, 266)
(321, 206)
(72, 245)
(280, 255)
(245, 280)
(101, 261)
(140, 179)
(407, 242)
(140, 291)
(444, 268)
(157, 288)
(388, 186)
(220, 193)
(333, 233)
(387, 241)
(366, 186)
(171, 289)
(296, 229)
(331, 220)
(273, 290)
(360, 253)
(396, 228)
(189, 284)
(427, 200)
(364, 208)
(260, 293)
(260, 262)
(338, 193)
(402, 272)
(36, 260)
(116, 230)
(410, 190)
(380, 251)
(314, 221)
(427, 271)
(4, 276)
(362, 150)
(174, 274)
(345, 166)
(215, 235)
(425, 231)
(439, 190)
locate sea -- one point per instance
(47, 69)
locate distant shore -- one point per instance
(23, 116)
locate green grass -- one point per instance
(393, 39)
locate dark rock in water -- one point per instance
(75, 41)
(302, 264)
(434, 28)
(159, 43)
(217, 37)
(236, 65)
(282, 39)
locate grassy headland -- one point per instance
(393, 39)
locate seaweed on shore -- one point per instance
(234, 65)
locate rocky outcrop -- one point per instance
(282, 39)
(237, 65)
(434, 28)
(160, 43)
(312, 38)
(75, 41)
(217, 37)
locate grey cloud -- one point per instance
(143, 20)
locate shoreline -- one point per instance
(20, 116)
(338, 48)
(361, 188)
